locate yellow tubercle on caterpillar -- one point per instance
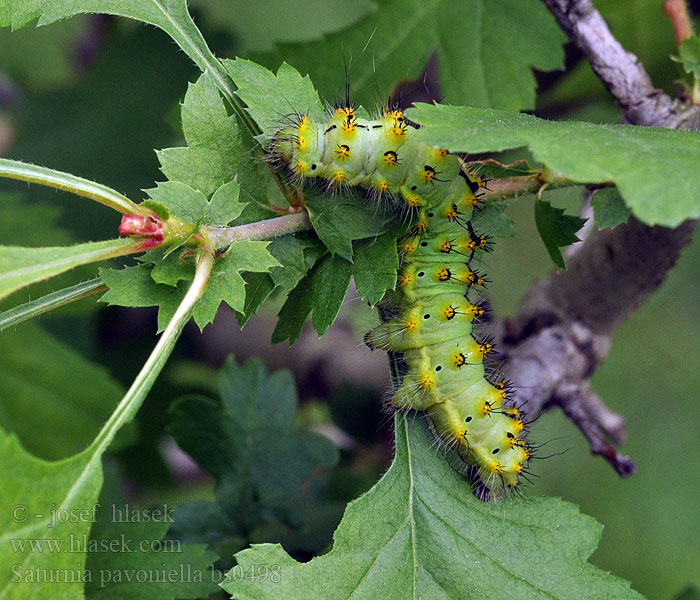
(459, 359)
(339, 177)
(391, 159)
(429, 174)
(451, 212)
(301, 167)
(301, 143)
(449, 312)
(445, 246)
(440, 153)
(343, 151)
(304, 123)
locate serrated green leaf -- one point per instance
(225, 206)
(180, 199)
(135, 286)
(31, 543)
(257, 26)
(70, 485)
(258, 287)
(375, 266)
(634, 158)
(609, 209)
(135, 549)
(20, 267)
(289, 251)
(227, 284)
(556, 229)
(240, 438)
(329, 284)
(215, 151)
(491, 219)
(421, 533)
(293, 313)
(270, 98)
(53, 416)
(338, 220)
(690, 56)
(485, 50)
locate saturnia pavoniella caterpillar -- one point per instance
(431, 317)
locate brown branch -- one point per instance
(620, 71)
(563, 329)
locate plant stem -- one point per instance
(133, 399)
(222, 237)
(15, 169)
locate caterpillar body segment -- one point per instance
(432, 311)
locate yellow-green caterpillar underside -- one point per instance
(431, 317)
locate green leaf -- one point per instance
(375, 267)
(556, 229)
(289, 251)
(137, 549)
(485, 50)
(690, 56)
(609, 208)
(240, 438)
(20, 267)
(634, 158)
(227, 284)
(491, 219)
(257, 26)
(53, 416)
(133, 287)
(191, 205)
(216, 151)
(329, 284)
(31, 542)
(49, 302)
(15, 169)
(258, 287)
(270, 98)
(136, 286)
(26, 515)
(293, 313)
(169, 15)
(338, 220)
(421, 533)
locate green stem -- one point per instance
(222, 237)
(133, 399)
(42, 305)
(15, 169)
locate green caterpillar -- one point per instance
(431, 317)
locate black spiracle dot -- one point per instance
(495, 451)
(421, 274)
(426, 316)
(413, 188)
(468, 419)
(431, 214)
(424, 244)
(313, 167)
(438, 368)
